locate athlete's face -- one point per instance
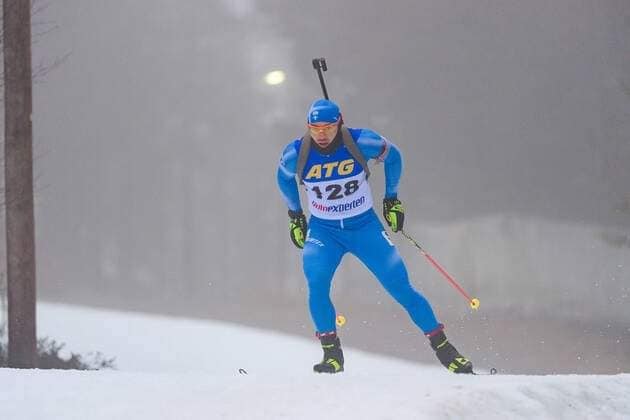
(323, 133)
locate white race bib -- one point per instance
(339, 198)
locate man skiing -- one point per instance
(330, 161)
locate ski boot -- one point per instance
(333, 355)
(448, 354)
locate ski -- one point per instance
(492, 372)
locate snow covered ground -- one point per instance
(172, 368)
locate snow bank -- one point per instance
(185, 369)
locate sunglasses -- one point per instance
(326, 128)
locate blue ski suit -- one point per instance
(343, 220)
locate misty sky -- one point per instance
(156, 144)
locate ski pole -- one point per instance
(319, 64)
(473, 302)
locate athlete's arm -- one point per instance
(375, 146)
(286, 178)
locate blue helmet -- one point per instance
(323, 111)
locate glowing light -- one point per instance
(275, 77)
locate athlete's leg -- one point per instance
(321, 257)
(374, 248)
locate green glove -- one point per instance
(394, 213)
(297, 228)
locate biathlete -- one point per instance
(330, 161)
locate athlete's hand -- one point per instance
(297, 228)
(394, 213)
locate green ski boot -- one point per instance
(448, 354)
(333, 355)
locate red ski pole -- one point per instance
(473, 302)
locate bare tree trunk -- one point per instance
(18, 152)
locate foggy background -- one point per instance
(157, 142)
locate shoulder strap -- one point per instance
(305, 148)
(352, 147)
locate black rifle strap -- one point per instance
(305, 148)
(352, 147)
